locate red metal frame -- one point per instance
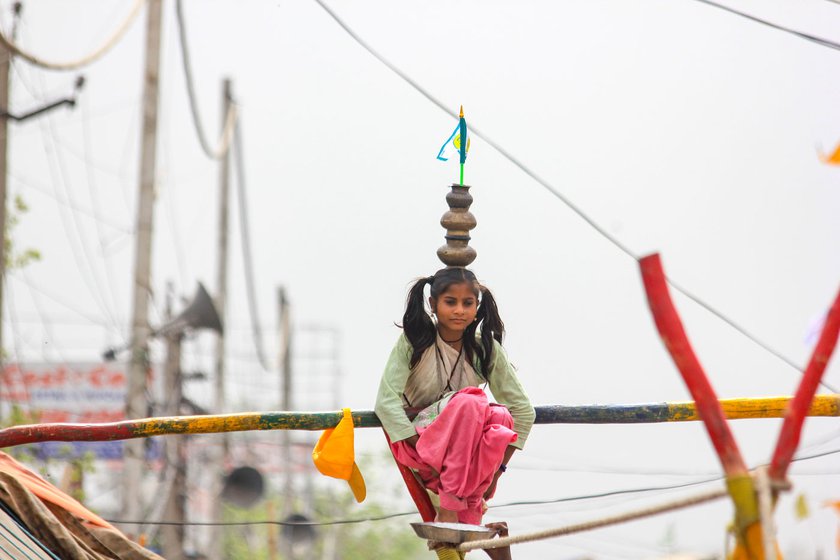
(795, 417)
(415, 489)
(673, 335)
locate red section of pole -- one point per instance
(801, 403)
(673, 335)
(36, 433)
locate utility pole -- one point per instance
(172, 536)
(136, 402)
(222, 251)
(5, 64)
(214, 548)
(286, 403)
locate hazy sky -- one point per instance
(676, 126)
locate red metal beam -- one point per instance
(673, 335)
(798, 408)
(415, 489)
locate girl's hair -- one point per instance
(420, 329)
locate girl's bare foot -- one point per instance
(446, 516)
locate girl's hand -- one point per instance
(502, 553)
(500, 527)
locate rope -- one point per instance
(230, 117)
(589, 525)
(85, 60)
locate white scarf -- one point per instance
(441, 370)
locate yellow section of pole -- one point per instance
(755, 537)
(764, 407)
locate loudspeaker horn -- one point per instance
(199, 314)
(243, 486)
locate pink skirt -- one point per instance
(465, 445)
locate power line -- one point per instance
(79, 248)
(46, 325)
(24, 278)
(807, 36)
(169, 199)
(59, 175)
(109, 42)
(553, 190)
(245, 236)
(230, 117)
(13, 318)
(94, 199)
(30, 183)
(495, 506)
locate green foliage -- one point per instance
(24, 257)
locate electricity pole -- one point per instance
(172, 536)
(286, 403)
(5, 64)
(214, 542)
(136, 402)
(222, 251)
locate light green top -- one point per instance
(503, 383)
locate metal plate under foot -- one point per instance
(455, 533)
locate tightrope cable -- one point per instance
(595, 524)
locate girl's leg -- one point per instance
(465, 444)
(447, 516)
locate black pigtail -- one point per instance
(492, 327)
(417, 325)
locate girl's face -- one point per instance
(455, 309)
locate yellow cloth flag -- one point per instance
(334, 455)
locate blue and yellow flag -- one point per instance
(458, 142)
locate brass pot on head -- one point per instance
(199, 314)
(458, 221)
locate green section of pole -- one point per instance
(462, 174)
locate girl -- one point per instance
(458, 443)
